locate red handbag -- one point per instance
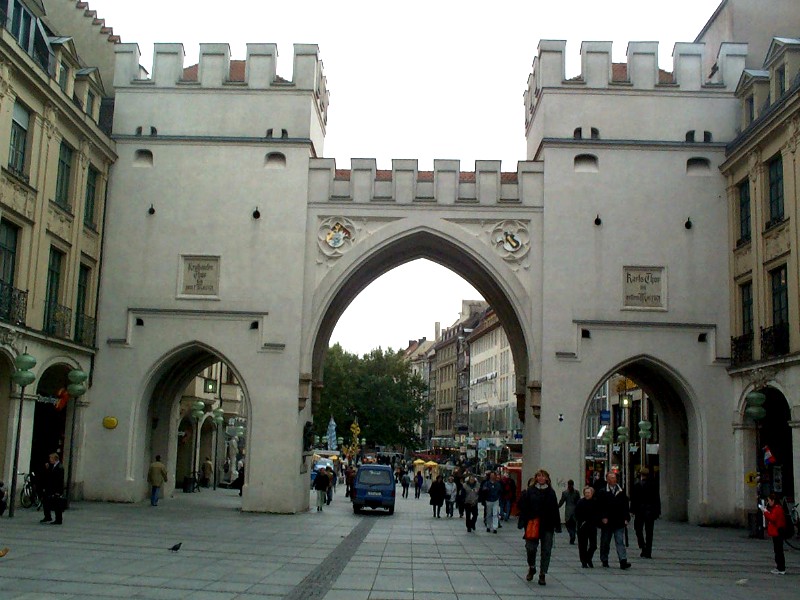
(532, 529)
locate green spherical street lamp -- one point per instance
(23, 377)
(755, 406)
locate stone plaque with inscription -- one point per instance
(644, 287)
(200, 276)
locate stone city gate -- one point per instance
(229, 239)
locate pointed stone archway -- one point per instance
(441, 243)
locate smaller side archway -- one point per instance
(185, 435)
(643, 389)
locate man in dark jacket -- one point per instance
(539, 501)
(612, 505)
(646, 508)
(54, 491)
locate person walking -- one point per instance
(539, 503)
(586, 521)
(450, 495)
(614, 517)
(569, 499)
(437, 492)
(776, 520)
(508, 497)
(471, 492)
(54, 492)
(331, 485)
(156, 477)
(492, 492)
(418, 480)
(207, 470)
(405, 481)
(646, 508)
(321, 484)
(458, 477)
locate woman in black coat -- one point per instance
(438, 493)
(539, 501)
(586, 517)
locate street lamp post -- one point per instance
(23, 378)
(198, 410)
(76, 389)
(218, 419)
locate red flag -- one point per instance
(63, 398)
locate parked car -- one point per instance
(322, 463)
(373, 487)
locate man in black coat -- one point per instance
(612, 505)
(54, 491)
(646, 508)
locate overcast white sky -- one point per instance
(412, 79)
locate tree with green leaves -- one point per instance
(378, 389)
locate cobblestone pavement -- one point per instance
(121, 551)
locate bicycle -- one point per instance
(792, 513)
(29, 495)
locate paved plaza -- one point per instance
(122, 551)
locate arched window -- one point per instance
(143, 158)
(595, 133)
(586, 163)
(577, 134)
(690, 136)
(698, 166)
(275, 160)
(707, 136)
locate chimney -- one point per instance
(438, 331)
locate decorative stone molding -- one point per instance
(18, 197)
(742, 259)
(59, 223)
(5, 80)
(776, 242)
(755, 165)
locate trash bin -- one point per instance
(188, 485)
(755, 524)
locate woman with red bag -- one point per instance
(540, 518)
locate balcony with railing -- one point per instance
(85, 327)
(742, 349)
(57, 320)
(13, 304)
(775, 340)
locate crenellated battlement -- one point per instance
(215, 69)
(406, 184)
(640, 72)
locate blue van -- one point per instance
(374, 487)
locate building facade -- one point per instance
(761, 170)
(55, 159)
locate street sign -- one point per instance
(482, 453)
(605, 416)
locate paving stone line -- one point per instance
(319, 582)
